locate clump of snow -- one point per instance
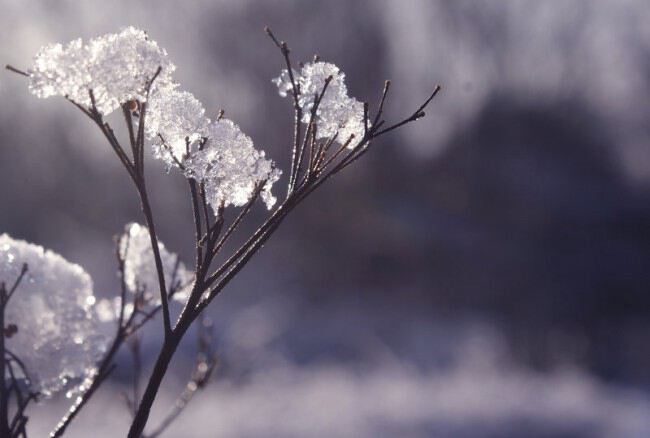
(231, 167)
(216, 153)
(119, 68)
(140, 273)
(58, 337)
(116, 67)
(337, 112)
(175, 122)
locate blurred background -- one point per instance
(482, 273)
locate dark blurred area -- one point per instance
(491, 262)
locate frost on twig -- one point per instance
(57, 336)
(116, 67)
(127, 70)
(231, 167)
(216, 153)
(337, 112)
(176, 122)
(140, 274)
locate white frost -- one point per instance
(175, 121)
(216, 153)
(58, 337)
(140, 273)
(116, 67)
(231, 167)
(337, 112)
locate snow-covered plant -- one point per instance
(337, 113)
(51, 337)
(55, 335)
(140, 274)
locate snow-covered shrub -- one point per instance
(57, 335)
(53, 315)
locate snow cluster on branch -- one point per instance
(337, 112)
(119, 68)
(231, 167)
(55, 310)
(116, 67)
(216, 153)
(58, 337)
(140, 275)
(176, 121)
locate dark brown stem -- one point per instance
(418, 114)
(137, 369)
(105, 369)
(239, 217)
(206, 361)
(295, 92)
(311, 127)
(148, 215)
(197, 222)
(159, 371)
(15, 70)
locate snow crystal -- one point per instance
(58, 337)
(337, 112)
(116, 67)
(227, 162)
(140, 273)
(231, 167)
(175, 120)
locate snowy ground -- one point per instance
(450, 381)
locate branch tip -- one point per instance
(15, 70)
(269, 32)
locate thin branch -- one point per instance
(206, 361)
(380, 110)
(137, 369)
(128, 118)
(81, 401)
(310, 127)
(15, 70)
(295, 92)
(343, 147)
(197, 223)
(204, 206)
(418, 114)
(12, 289)
(146, 209)
(240, 217)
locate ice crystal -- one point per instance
(58, 337)
(175, 121)
(231, 167)
(216, 153)
(337, 112)
(116, 67)
(140, 273)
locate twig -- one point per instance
(295, 92)
(418, 114)
(206, 361)
(311, 126)
(15, 70)
(239, 217)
